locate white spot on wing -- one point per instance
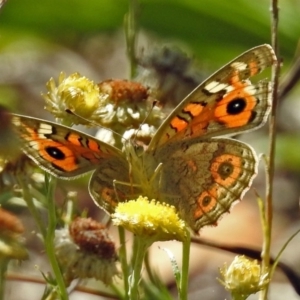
(16, 121)
(34, 145)
(45, 128)
(215, 87)
(250, 89)
(239, 66)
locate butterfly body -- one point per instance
(187, 164)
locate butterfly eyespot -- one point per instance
(56, 153)
(236, 106)
(205, 201)
(225, 170)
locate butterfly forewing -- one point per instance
(61, 151)
(225, 103)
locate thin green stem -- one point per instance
(148, 269)
(131, 30)
(123, 260)
(183, 292)
(32, 208)
(276, 261)
(141, 247)
(49, 242)
(272, 147)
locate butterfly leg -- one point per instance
(122, 183)
(156, 172)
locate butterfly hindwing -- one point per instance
(203, 179)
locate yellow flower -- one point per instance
(158, 221)
(86, 251)
(74, 93)
(243, 277)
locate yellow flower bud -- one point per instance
(243, 277)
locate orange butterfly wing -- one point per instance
(61, 151)
(224, 104)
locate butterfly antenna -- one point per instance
(93, 123)
(69, 111)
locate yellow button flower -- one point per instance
(158, 221)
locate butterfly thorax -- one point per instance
(125, 178)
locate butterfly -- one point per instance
(187, 164)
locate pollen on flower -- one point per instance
(243, 277)
(86, 251)
(150, 218)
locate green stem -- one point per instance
(131, 29)
(183, 292)
(272, 149)
(123, 260)
(280, 253)
(32, 208)
(3, 268)
(49, 242)
(141, 246)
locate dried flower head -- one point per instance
(9, 223)
(11, 243)
(92, 237)
(158, 221)
(243, 277)
(128, 106)
(86, 251)
(123, 91)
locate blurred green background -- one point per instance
(215, 30)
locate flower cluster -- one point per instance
(86, 251)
